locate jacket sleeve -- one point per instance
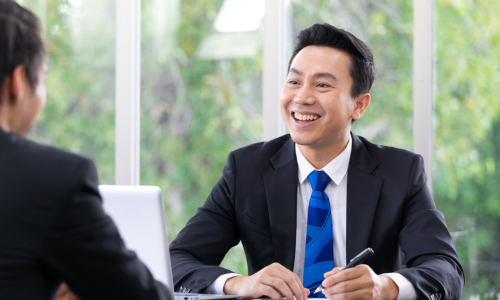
(433, 266)
(85, 250)
(202, 244)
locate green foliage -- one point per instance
(79, 115)
(467, 131)
(194, 112)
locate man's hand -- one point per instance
(64, 293)
(274, 281)
(359, 282)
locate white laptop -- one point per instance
(139, 215)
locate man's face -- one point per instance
(316, 101)
(32, 103)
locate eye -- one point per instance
(322, 85)
(292, 82)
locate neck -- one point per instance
(10, 113)
(8, 119)
(4, 111)
(323, 153)
(4, 120)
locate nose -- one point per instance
(305, 96)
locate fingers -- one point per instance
(284, 281)
(295, 284)
(291, 279)
(270, 292)
(274, 281)
(251, 287)
(338, 276)
(342, 287)
(333, 272)
(350, 283)
(279, 285)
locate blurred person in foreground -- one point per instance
(304, 204)
(52, 225)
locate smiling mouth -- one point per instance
(305, 118)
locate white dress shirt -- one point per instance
(337, 193)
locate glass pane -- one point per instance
(201, 78)
(80, 45)
(386, 26)
(467, 137)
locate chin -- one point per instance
(301, 139)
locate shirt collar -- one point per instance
(336, 169)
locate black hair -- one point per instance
(362, 68)
(20, 42)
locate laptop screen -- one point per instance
(139, 215)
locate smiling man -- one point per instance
(303, 205)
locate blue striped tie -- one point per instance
(319, 239)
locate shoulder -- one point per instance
(59, 158)
(402, 170)
(49, 164)
(388, 162)
(382, 154)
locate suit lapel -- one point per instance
(281, 192)
(363, 190)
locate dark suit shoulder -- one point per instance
(401, 169)
(42, 152)
(386, 156)
(46, 165)
(381, 152)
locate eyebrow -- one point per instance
(325, 74)
(298, 72)
(316, 75)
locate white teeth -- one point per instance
(305, 117)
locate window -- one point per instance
(80, 44)
(386, 27)
(201, 78)
(467, 137)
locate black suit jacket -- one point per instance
(53, 229)
(389, 208)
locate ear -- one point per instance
(361, 103)
(17, 85)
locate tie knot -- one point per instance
(319, 180)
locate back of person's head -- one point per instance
(20, 42)
(362, 68)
